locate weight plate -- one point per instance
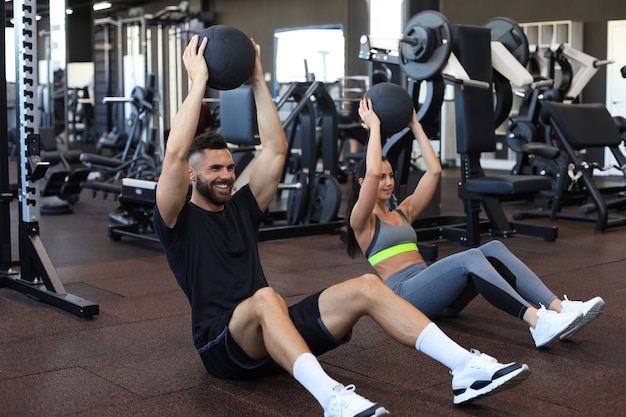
(503, 98)
(520, 132)
(297, 199)
(427, 45)
(324, 200)
(511, 35)
(428, 111)
(567, 75)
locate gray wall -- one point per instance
(259, 19)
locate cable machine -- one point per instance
(37, 276)
(146, 46)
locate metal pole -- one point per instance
(26, 104)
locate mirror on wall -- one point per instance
(9, 48)
(51, 64)
(56, 68)
(51, 69)
(65, 75)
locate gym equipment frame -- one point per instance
(428, 46)
(475, 135)
(37, 276)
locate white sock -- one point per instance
(436, 344)
(308, 372)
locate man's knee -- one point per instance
(368, 284)
(372, 277)
(267, 298)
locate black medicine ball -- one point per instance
(230, 56)
(393, 106)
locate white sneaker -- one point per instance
(550, 325)
(483, 375)
(347, 403)
(590, 310)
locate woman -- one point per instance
(388, 240)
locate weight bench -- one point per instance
(475, 136)
(579, 128)
(112, 170)
(133, 217)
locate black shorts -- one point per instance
(222, 357)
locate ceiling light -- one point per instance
(102, 5)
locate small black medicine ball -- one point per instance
(230, 56)
(393, 106)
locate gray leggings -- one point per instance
(448, 285)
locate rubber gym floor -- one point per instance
(136, 357)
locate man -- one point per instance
(242, 328)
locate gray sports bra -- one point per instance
(389, 240)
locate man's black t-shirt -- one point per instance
(214, 257)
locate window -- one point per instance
(318, 50)
(386, 17)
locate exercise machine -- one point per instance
(428, 46)
(577, 128)
(64, 180)
(137, 46)
(138, 155)
(36, 276)
(531, 137)
(313, 196)
(137, 197)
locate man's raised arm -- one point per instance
(173, 182)
(269, 165)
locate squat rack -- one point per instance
(37, 276)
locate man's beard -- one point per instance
(209, 194)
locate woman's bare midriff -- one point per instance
(396, 263)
